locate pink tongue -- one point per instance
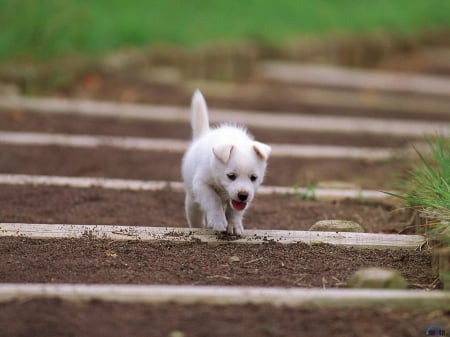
(237, 205)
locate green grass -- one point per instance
(50, 28)
(427, 188)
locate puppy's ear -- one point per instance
(223, 152)
(261, 150)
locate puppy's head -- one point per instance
(239, 169)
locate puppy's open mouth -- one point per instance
(238, 205)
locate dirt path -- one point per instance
(57, 318)
(165, 208)
(299, 265)
(134, 262)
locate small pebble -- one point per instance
(235, 258)
(176, 333)
(337, 226)
(377, 278)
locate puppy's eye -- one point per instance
(231, 176)
(253, 177)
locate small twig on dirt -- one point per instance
(298, 284)
(303, 285)
(219, 276)
(430, 286)
(424, 246)
(298, 279)
(412, 219)
(407, 228)
(434, 284)
(111, 253)
(339, 283)
(254, 260)
(411, 223)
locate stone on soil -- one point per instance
(337, 226)
(177, 333)
(377, 278)
(235, 258)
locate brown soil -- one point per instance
(101, 261)
(104, 261)
(54, 317)
(166, 208)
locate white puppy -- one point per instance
(222, 170)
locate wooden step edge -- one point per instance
(177, 186)
(226, 295)
(175, 234)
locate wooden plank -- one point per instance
(378, 101)
(91, 141)
(281, 121)
(145, 185)
(177, 146)
(88, 182)
(335, 152)
(336, 77)
(364, 101)
(175, 234)
(328, 194)
(220, 295)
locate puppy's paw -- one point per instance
(230, 229)
(235, 229)
(238, 229)
(218, 223)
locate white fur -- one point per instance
(221, 165)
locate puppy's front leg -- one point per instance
(194, 213)
(234, 221)
(211, 204)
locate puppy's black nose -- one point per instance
(242, 196)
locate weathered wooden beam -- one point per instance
(175, 234)
(364, 101)
(145, 185)
(338, 77)
(220, 295)
(281, 121)
(177, 146)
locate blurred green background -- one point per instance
(42, 29)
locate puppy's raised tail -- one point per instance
(199, 115)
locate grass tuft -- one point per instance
(427, 189)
